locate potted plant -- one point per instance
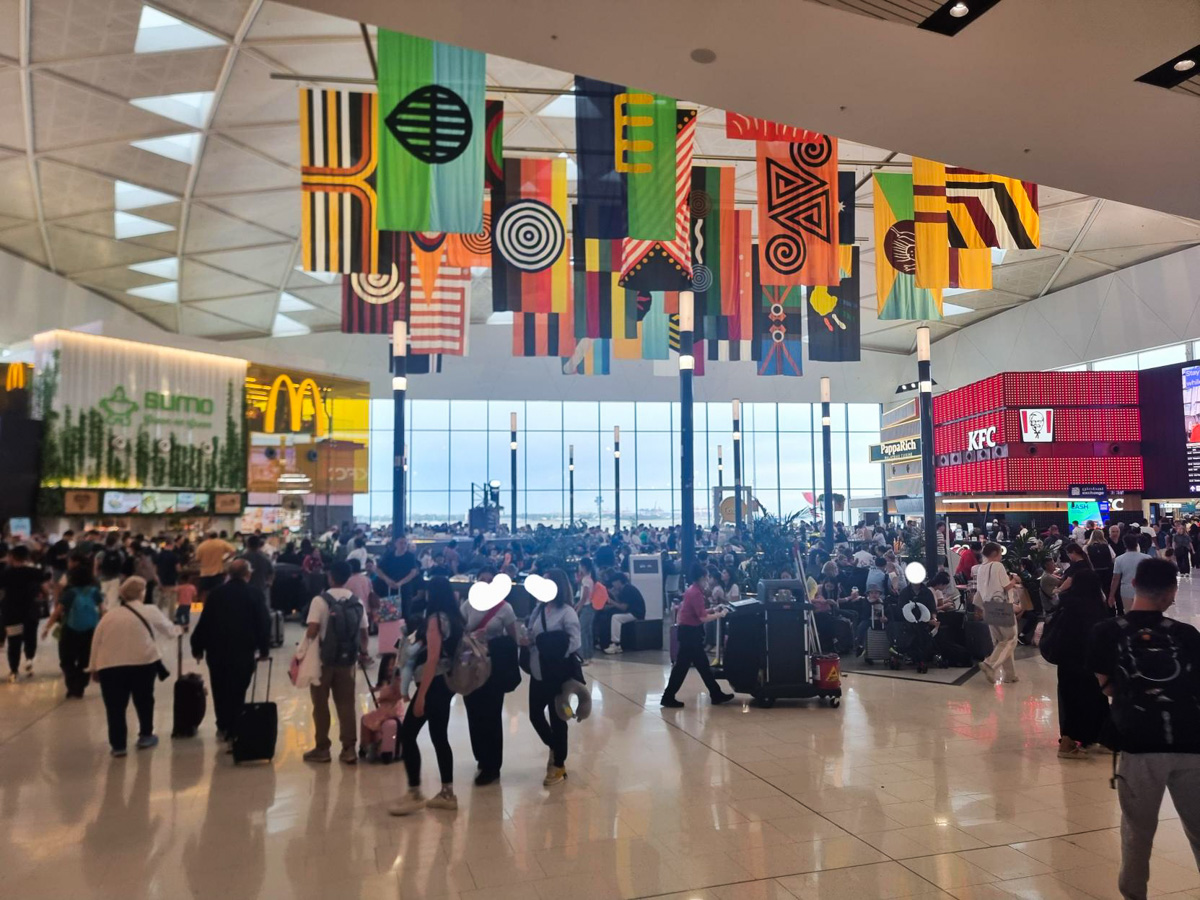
(839, 501)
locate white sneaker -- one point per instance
(413, 801)
(613, 649)
(444, 799)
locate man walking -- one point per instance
(262, 571)
(232, 631)
(1121, 593)
(1150, 666)
(338, 624)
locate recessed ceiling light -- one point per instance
(958, 10)
(1184, 65)
(704, 56)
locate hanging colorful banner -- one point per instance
(438, 317)
(626, 339)
(603, 200)
(427, 250)
(338, 214)
(531, 269)
(748, 128)
(543, 334)
(467, 250)
(594, 281)
(797, 205)
(992, 211)
(938, 264)
(710, 203)
(666, 265)
(591, 356)
(779, 319)
(432, 135)
(846, 211)
(722, 340)
(834, 320)
(654, 328)
(645, 130)
(371, 303)
(896, 253)
(494, 143)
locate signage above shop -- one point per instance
(896, 450)
(1093, 491)
(1037, 426)
(981, 438)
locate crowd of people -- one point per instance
(1092, 598)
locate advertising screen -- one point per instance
(1086, 510)
(118, 503)
(1191, 425)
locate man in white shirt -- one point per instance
(1120, 593)
(336, 677)
(864, 558)
(1078, 532)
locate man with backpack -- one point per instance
(338, 623)
(1150, 666)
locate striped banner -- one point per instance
(531, 268)
(667, 265)
(543, 334)
(438, 318)
(992, 211)
(371, 303)
(338, 214)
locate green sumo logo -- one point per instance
(117, 407)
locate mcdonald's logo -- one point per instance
(295, 396)
(623, 120)
(15, 380)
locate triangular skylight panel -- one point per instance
(167, 292)
(134, 196)
(190, 109)
(158, 32)
(286, 326)
(953, 309)
(289, 303)
(179, 147)
(159, 268)
(562, 106)
(127, 225)
(327, 277)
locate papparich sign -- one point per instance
(896, 450)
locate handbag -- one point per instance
(1050, 645)
(162, 671)
(998, 612)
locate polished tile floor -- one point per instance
(909, 790)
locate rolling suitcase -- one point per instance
(386, 748)
(257, 727)
(276, 628)
(190, 702)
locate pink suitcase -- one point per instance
(389, 741)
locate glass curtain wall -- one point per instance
(454, 444)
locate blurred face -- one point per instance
(401, 545)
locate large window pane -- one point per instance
(383, 413)
(544, 461)
(544, 507)
(429, 461)
(429, 506)
(581, 415)
(468, 414)
(499, 459)
(460, 505)
(654, 461)
(500, 414)
(865, 476)
(380, 455)
(544, 415)
(654, 508)
(430, 415)
(864, 416)
(720, 417)
(468, 459)
(657, 416)
(587, 461)
(795, 417)
(759, 416)
(1163, 356)
(1116, 363)
(616, 414)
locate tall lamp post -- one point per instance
(928, 478)
(720, 486)
(737, 465)
(687, 462)
(571, 482)
(827, 459)
(399, 391)
(616, 478)
(512, 446)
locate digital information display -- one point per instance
(1191, 425)
(1087, 511)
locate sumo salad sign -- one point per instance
(126, 415)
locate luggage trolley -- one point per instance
(769, 648)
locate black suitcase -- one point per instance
(978, 638)
(190, 700)
(276, 628)
(257, 727)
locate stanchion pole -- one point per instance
(616, 478)
(512, 444)
(571, 482)
(827, 457)
(737, 465)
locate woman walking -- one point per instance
(1082, 706)
(585, 574)
(78, 609)
(690, 624)
(485, 704)
(439, 633)
(994, 582)
(125, 660)
(546, 674)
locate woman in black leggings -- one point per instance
(440, 634)
(546, 676)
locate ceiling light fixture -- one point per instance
(1175, 71)
(953, 16)
(958, 10)
(1184, 65)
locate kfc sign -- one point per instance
(1037, 426)
(981, 438)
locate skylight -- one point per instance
(127, 225)
(953, 309)
(159, 32)
(179, 147)
(167, 292)
(291, 303)
(134, 196)
(326, 277)
(286, 326)
(190, 109)
(561, 107)
(159, 268)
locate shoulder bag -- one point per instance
(162, 671)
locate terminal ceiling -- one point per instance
(212, 250)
